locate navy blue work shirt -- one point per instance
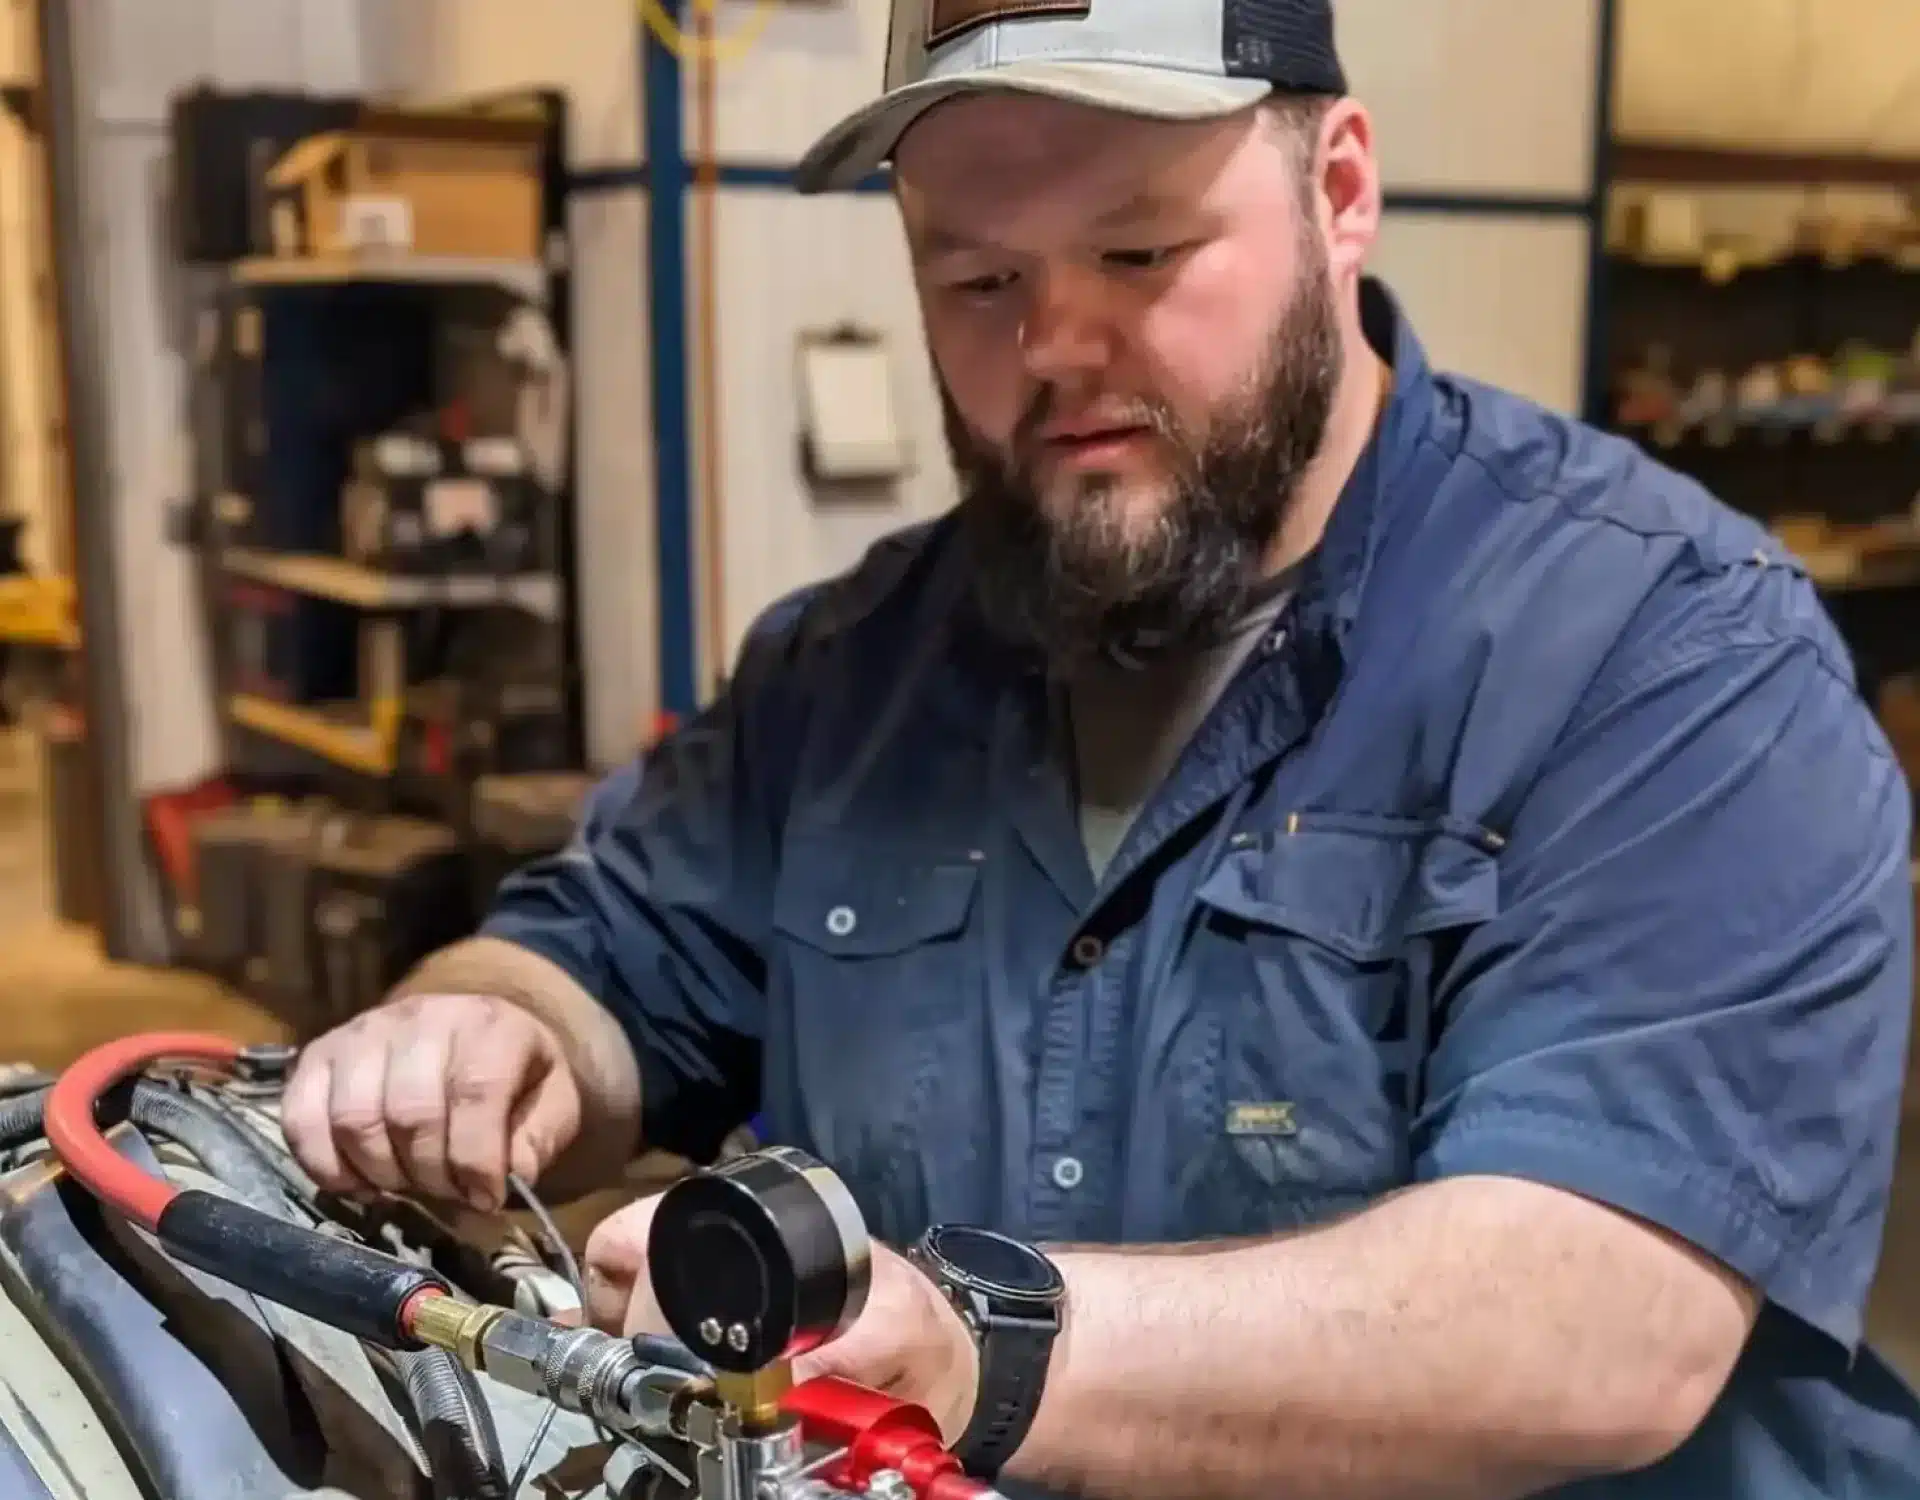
(1546, 836)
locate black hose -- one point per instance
(220, 1145)
(12, 1084)
(456, 1428)
(21, 1116)
(278, 1159)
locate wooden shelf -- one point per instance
(339, 734)
(528, 278)
(322, 577)
(1715, 166)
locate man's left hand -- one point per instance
(907, 1342)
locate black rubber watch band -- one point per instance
(1014, 1355)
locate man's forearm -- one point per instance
(1477, 1338)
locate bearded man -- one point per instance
(1350, 935)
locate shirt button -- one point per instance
(1087, 950)
(841, 921)
(1067, 1173)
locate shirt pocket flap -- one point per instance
(857, 903)
(1360, 886)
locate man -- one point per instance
(1387, 899)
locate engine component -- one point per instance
(203, 1388)
(755, 1262)
(338, 1283)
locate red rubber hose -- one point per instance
(368, 1293)
(76, 1139)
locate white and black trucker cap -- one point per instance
(1164, 59)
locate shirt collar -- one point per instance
(1334, 576)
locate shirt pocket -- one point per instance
(1315, 949)
(880, 982)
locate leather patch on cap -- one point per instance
(948, 19)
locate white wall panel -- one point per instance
(783, 72)
(838, 259)
(590, 48)
(174, 728)
(1500, 299)
(1821, 75)
(133, 56)
(617, 551)
(1477, 95)
(334, 48)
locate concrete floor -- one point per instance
(59, 996)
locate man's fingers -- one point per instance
(544, 1120)
(619, 1292)
(416, 1106)
(487, 1069)
(306, 1119)
(438, 1095)
(358, 1107)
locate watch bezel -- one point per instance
(948, 1269)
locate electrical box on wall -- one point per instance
(850, 430)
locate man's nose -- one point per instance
(1066, 330)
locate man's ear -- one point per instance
(1347, 188)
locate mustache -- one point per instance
(1050, 405)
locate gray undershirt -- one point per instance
(1129, 722)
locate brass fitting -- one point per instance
(756, 1397)
(456, 1326)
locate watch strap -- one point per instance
(1014, 1355)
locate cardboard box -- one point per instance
(399, 183)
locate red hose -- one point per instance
(76, 1138)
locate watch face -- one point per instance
(993, 1263)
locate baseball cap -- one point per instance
(1163, 59)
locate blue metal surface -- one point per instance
(668, 176)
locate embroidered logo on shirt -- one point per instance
(1267, 1117)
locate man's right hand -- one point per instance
(433, 1095)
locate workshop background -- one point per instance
(407, 405)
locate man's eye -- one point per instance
(1142, 260)
(983, 286)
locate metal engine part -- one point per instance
(200, 1389)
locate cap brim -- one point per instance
(864, 142)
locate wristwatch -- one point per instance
(1009, 1296)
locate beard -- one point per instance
(1085, 577)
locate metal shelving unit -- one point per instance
(363, 739)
